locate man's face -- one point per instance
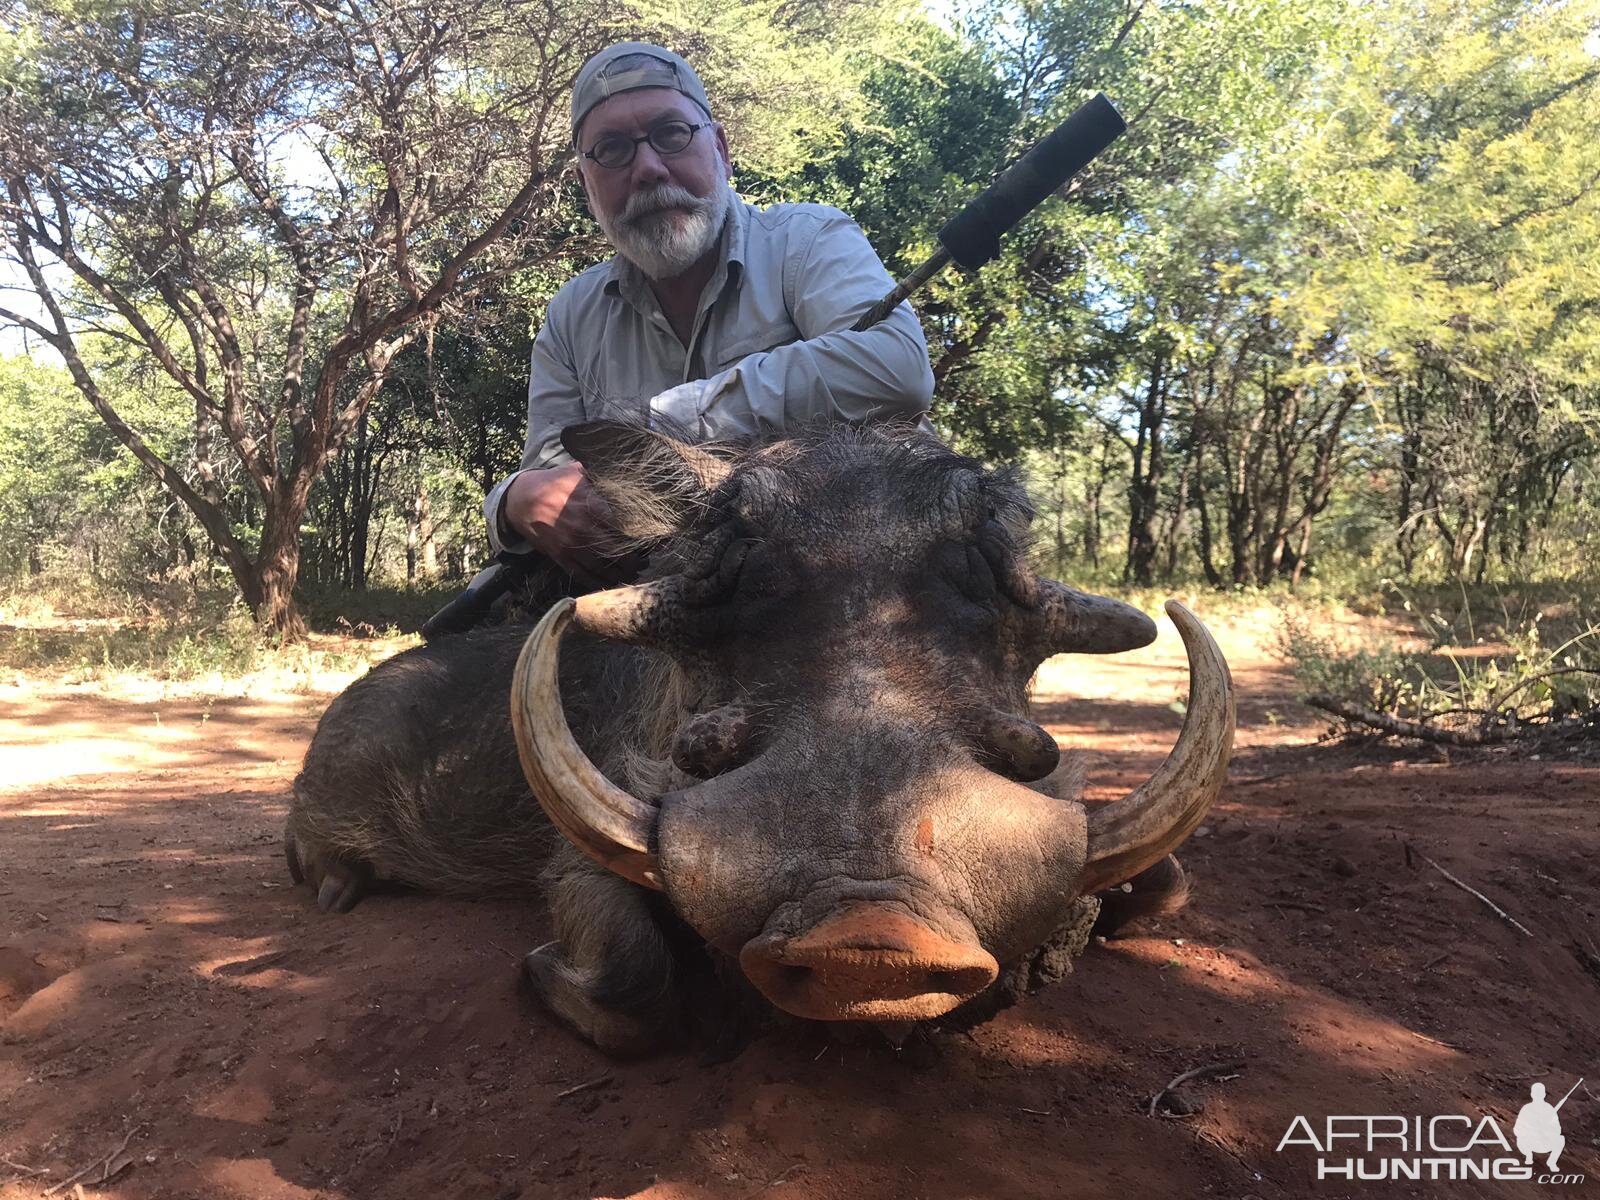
(663, 212)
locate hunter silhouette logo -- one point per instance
(1447, 1147)
(1538, 1128)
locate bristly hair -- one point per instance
(655, 480)
(660, 495)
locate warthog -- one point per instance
(801, 745)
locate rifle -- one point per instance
(970, 239)
(1568, 1096)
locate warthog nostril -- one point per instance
(868, 963)
(946, 981)
(717, 741)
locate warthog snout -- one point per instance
(869, 963)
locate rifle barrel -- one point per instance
(1570, 1090)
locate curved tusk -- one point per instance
(594, 814)
(1140, 830)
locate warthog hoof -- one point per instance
(339, 884)
(569, 995)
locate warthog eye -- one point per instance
(967, 570)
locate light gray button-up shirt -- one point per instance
(772, 335)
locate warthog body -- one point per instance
(801, 746)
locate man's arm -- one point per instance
(834, 373)
(554, 401)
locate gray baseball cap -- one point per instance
(598, 80)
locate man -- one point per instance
(717, 317)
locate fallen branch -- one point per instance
(1498, 702)
(1216, 1068)
(1436, 1041)
(23, 1171)
(584, 1087)
(104, 1161)
(779, 1181)
(1252, 780)
(1470, 890)
(1400, 727)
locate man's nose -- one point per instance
(649, 168)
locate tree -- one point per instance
(1451, 204)
(271, 203)
(71, 501)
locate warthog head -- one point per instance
(855, 625)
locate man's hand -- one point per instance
(568, 522)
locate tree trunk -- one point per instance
(429, 564)
(411, 546)
(277, 569)
(1173, 536)
(1207, 561)
(1411, 408)
(1300, 553)
(1094, 490)
(1144, 488)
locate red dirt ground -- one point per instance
(160, 978)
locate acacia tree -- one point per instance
(1450, 216)
(268, 203)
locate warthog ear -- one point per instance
(652, 482)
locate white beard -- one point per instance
(666, 244)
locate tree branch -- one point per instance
(212, 518)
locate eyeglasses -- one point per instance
(616, 150)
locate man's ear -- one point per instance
(653, 483)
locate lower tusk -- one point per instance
(1139, 831)
(608, 824)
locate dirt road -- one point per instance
(160, 978)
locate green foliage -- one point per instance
(1519, 671)
(72, 504)
(1379, 675)
(216, 638)
(1326, 314)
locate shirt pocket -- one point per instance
(769, 338)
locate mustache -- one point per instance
(660, 199)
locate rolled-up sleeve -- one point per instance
(554, 402)
(833, 373)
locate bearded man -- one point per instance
(715, 316)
